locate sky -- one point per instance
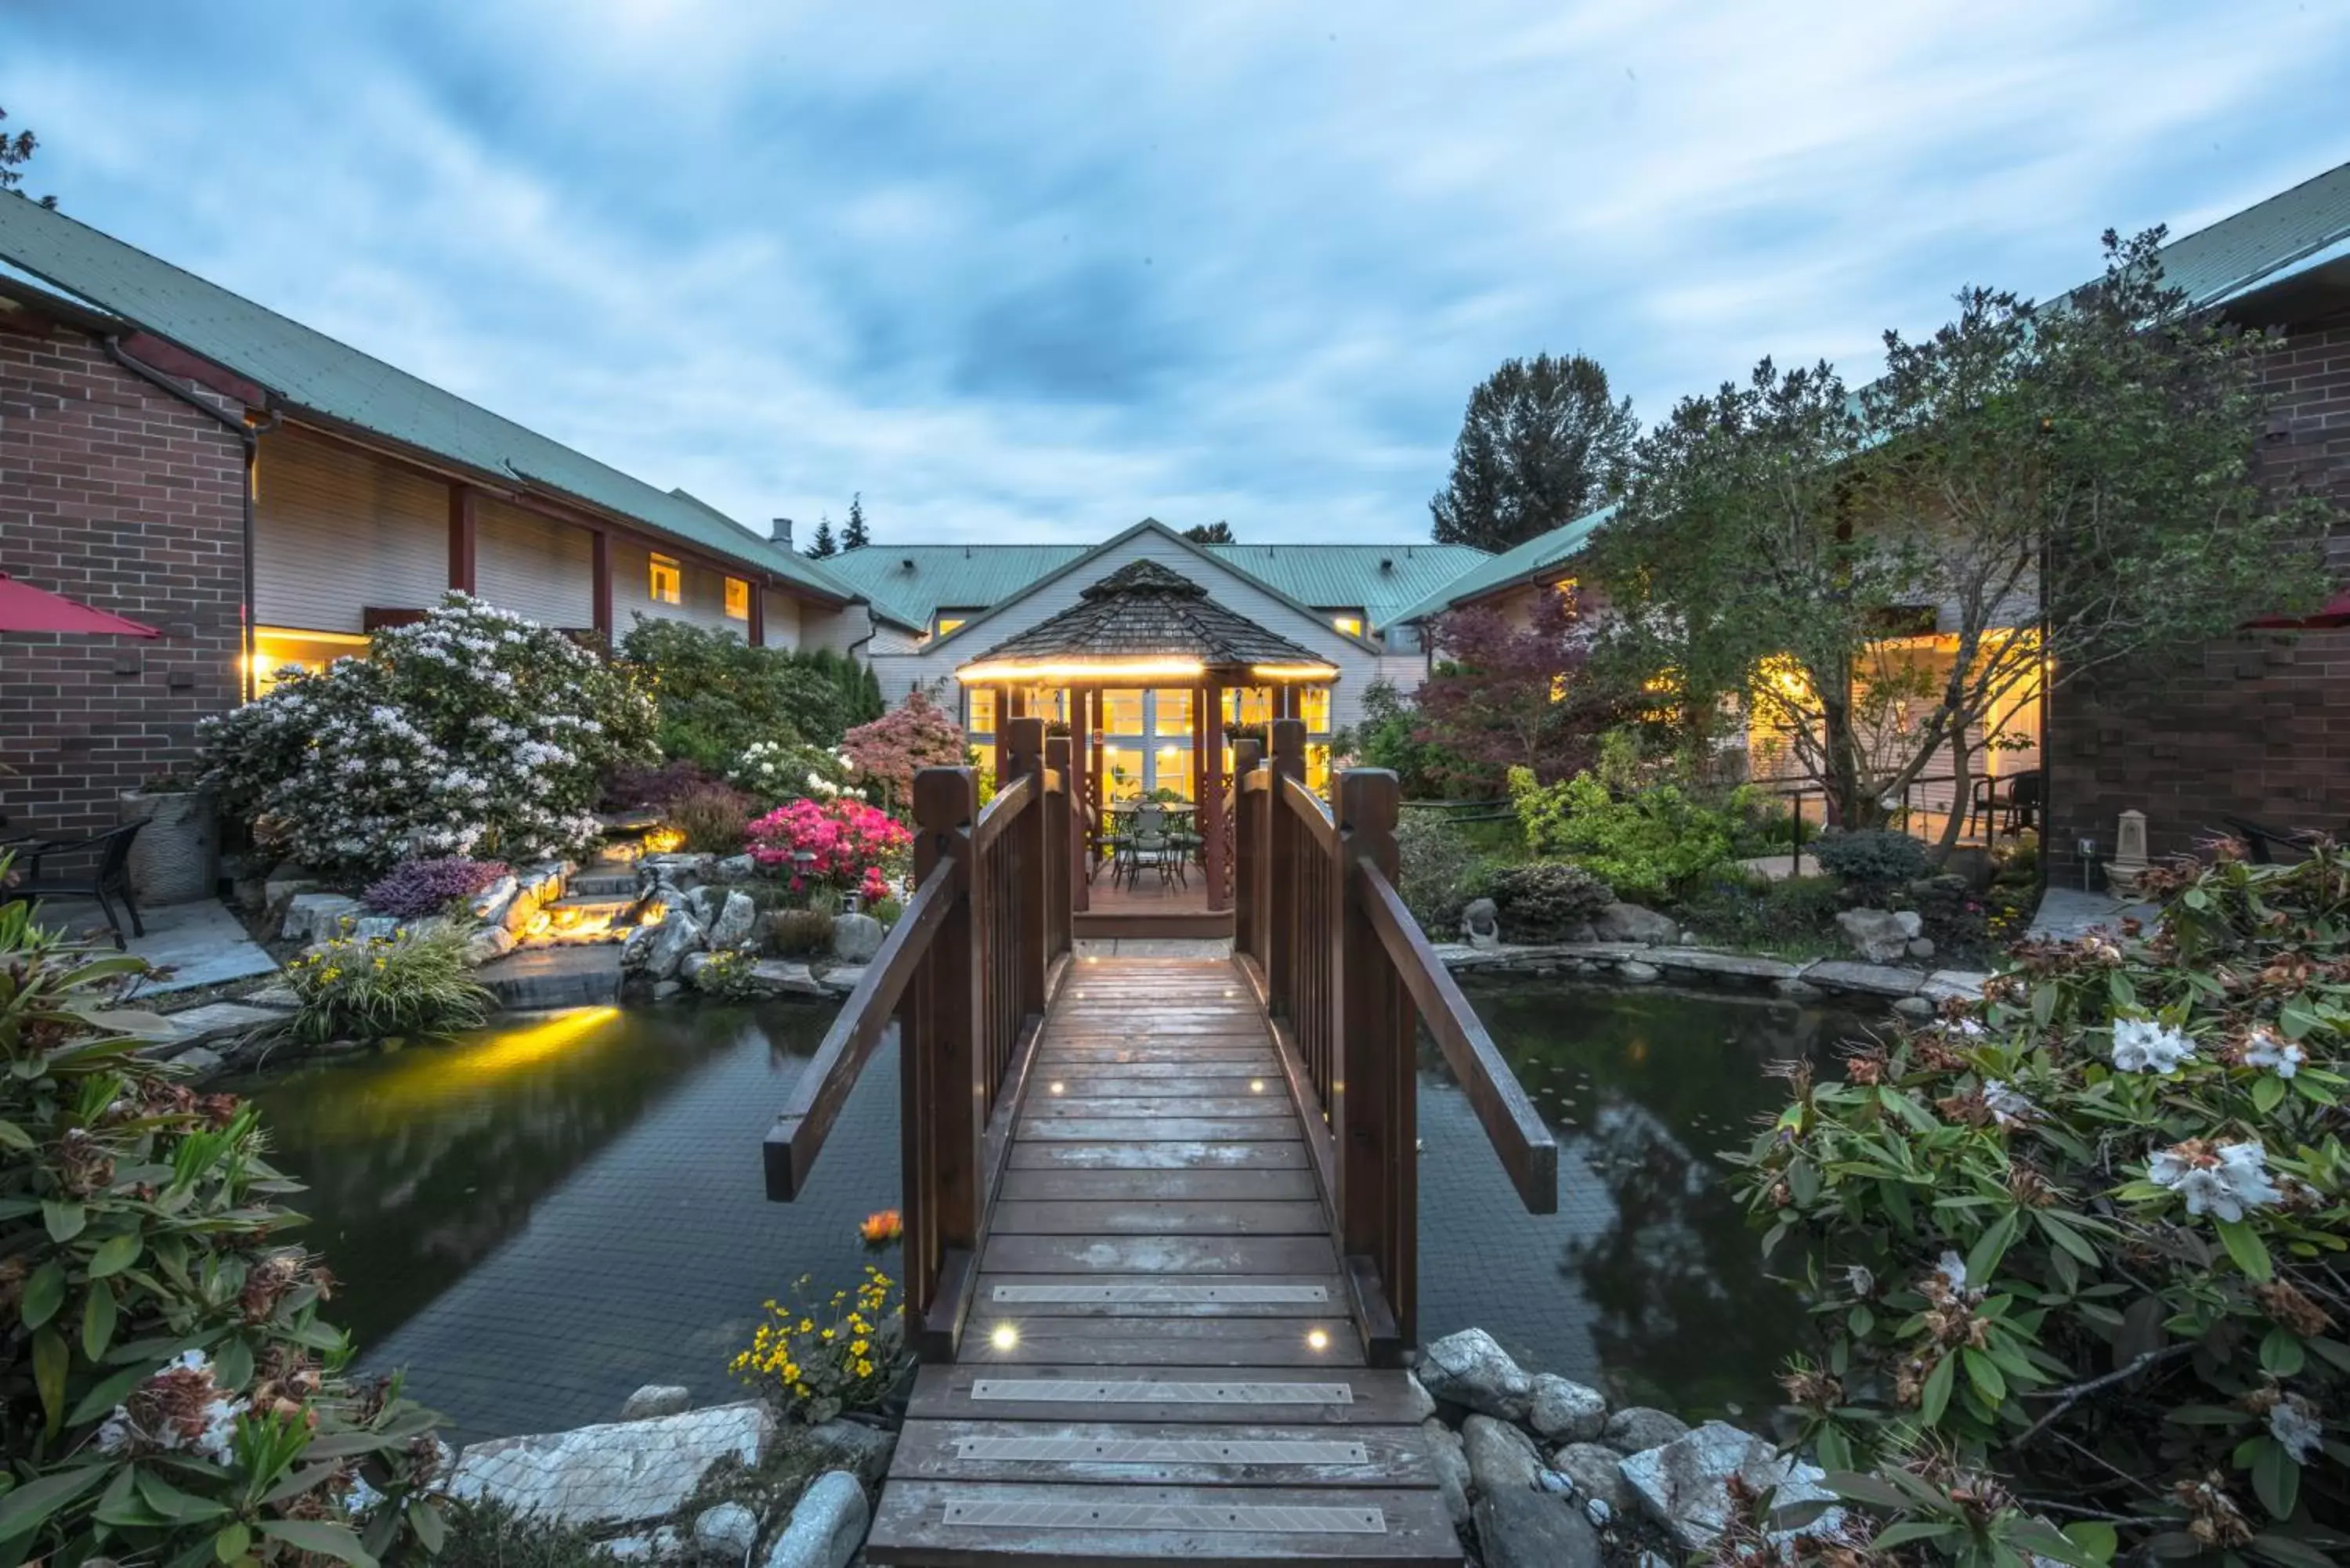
(1032, 272)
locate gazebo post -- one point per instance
(1082, 764)
(1207, 741)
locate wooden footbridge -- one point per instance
(1160, 1239)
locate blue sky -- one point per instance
(1033, 271)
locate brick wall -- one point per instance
(2259, 727)
(118, 496)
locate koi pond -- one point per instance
(537, 1218)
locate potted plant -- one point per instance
(172, 861)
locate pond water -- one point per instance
(536, 1220)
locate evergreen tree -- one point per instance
(1217, 532)
(854, 536)
(16, 152)
(1541, 445)
(825, 544)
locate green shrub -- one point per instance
(886, 910)
(488, 1533)
(1652, 845)
(2080, 1241)
(1545, 901)
(377, 988)
(1873, 862)
(715, 819)
(800, 932)
(727, 975)
(1437, 872)
(1795, 917)
(171, 1393)
(715, 694)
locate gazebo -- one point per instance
(1146, 625)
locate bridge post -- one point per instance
(1373, 1114)
(1248, 850)
(1064, 838)
(1030, 872)
(943, 1127)
(1285, 865)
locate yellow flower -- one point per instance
(856, 1347)
(865, 1369)
(807, 1325)
(828, 1333)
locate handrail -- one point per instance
(1010, 799)
(798, 1134)
(1310, 809)
(1516, 1130)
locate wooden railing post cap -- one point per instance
(1026, 734)
(1369, 800)
(1289, 737)
(945, 797)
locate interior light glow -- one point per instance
(1111, 670)
(1295, 671)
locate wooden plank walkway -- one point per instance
(1159, 1364)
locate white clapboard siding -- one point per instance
(1357, 666)
(782, 620)
(533, 566)
(838, 629)
(704, 592)
(337, 531)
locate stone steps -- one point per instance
(576, 975)
(603, 884)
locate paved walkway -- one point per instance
(2068, 912)
(204, 943)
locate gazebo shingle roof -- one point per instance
(1142, 611)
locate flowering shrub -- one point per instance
(901, 743)
(772, 772)
(172, 1395)
(379, 987)
(812, 1361)
(472, 731)
(711, 820)
(1651, 845)
(852, 843)
(2085, 1236)
(414, 888)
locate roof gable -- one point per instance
(1144, 611)
(1528, 559)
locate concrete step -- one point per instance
(603, 884)
(582, 975)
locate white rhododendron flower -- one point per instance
(2268, 1049)
(2143, 1046)
(2008, 1106)
(2222, 1180)
(2293, 1421)
(1953, 1269)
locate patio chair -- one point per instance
(2017, 803)
(1148, 844)
(108, 875)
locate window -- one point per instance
(664, 583)
(1351, 623)
(1121, 715)
(1318, 770)
(1248, 705)
(1122, 770)
(947, 623)
(1174, 769)
(1403, 639)
(738, 600)
(1174, 716)
(982, 699)
(1313, 707)
(278, 651)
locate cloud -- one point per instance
(1033, 271)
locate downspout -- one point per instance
(250, 434)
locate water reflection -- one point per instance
(1655, 1285)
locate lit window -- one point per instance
(1248, 705)
(949, 623)
(1122, 766)
(1121, 712)
(664, 583)
(1352, 624)
(1313, 707)
(1318, 770)
(1174, 714)
(983, 710)
(279, 652)
(738, 598)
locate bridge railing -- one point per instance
(966, 973)
(1346, 973)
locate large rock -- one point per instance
(1423, 1403)
(842, 979)
(827, 1527)
(316, 917)
(1685, 1485)
(1628, 1431)
(735, 868)
(782, 977)
(731, 928)
(1632, 923)
(1449, 1458)
(1593, 1468)
(857, 1447)
(725, 1534)
(655, 1399)
(489, 905)
(1501, 1458)
(1868, 979)
(622, 1472)
(1634, 973)
(1469, 1369)
(1534, 1529)
(703, 904)
(677, 935)
(1880, 936)
(856, 938)
(215, 1022)
(488, 945)
(1566, 1411)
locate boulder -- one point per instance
(1630, 1431)
(489, 905)
(1593, 1468)
(1920, 948)
(1423, 1403)
(663, 990)
(1638, 973)
(1913, 1007)
(782, 977)
(1481, 924)
(703, 903)
(1534, 1529)
(735, 869)
(678, 934)
(856, 938)
(636, 948)
(725, 1534)
(622, 1472)
(217, 1020)
(842, 979)
(1449, 1458)
(197, 1062)
(376, 928)
(857, 1447)
(1566, 1411)
(1684, 1485)
(1868, 979)
(731, 928)
(1942, 985)
(1795, 989)
(1500, 1457)
(316, 917)
(663, 1545)
(655, 1399)
(827, 1526)
(1880, 936)
(1632, 923)
(1469, 1369)
(277, 995)
(487, 945)
(281, 886)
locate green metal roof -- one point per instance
(309, 371)
(2243, 250)
(914, 582)
(1538, 554)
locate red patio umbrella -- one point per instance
(23, 608)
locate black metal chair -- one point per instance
(109, 875)
(2018, 803)
(2262, 842)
